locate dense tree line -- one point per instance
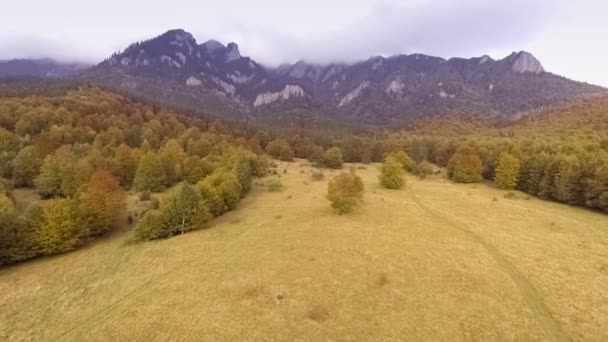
(83, 150)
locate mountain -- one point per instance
(174, 69)
(47, 68)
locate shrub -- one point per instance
(345, 192)
(406, 162)
(391, 174)
(317, 175)
(424, 169)
(274, 185)
(333, 158)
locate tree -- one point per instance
(345, 192)
(171, 156)
(150, 175)
(280, 149)
(333, 158)
(103, 200)
(125, 164)
(465, 166)
(58, 176)
(507, 172)
(182, 211)
(62, 226)
(424, 169)
(26, 166)
(407, 163)
(567, 187)
(391, 173)
(195, 169)
(317, 156)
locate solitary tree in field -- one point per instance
(507, 172)
(345, 192)
(333, 158)
(465, 166)
(391, 173)
(150, 175)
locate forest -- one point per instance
(83, 150)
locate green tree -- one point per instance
(59, 176)
(26, 166)
(333, 158)
(345, 192)
(567, 186)
(182, 211)
(317, 156)
(150, 175)
(391, 174)
(507, 172)
(171, 156)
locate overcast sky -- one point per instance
(569, 37)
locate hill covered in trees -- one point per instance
(81, 149)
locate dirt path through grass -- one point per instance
(527, 290)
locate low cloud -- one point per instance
(444, 28)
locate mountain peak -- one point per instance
(212, 45)
(524, 61)
(232, 53)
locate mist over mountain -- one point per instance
(39, 68)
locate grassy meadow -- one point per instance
(433, 261)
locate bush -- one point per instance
(391, 174)
(406, 162)
(274, 185)
(333, 158)
(317, 175)
(345, 192)
(424, 169)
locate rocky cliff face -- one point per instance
(216, 78)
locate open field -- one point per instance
(435, 261)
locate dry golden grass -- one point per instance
(434, 261)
